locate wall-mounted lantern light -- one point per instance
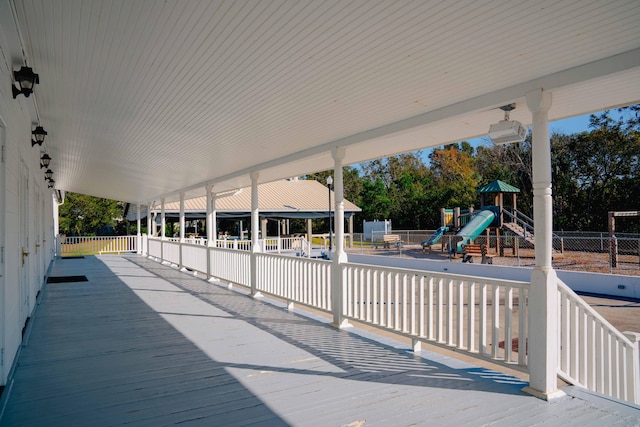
(38, 136)
(45, 161)
(48, 174)
(51, 184)
(26, 79)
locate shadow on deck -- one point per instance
(144, 344)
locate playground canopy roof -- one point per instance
(498, 186)
(291, 198)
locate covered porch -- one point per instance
(142, 343)
(152, 103)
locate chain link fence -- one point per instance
(580, 251)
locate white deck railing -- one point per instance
(194, 256)
(296, 279)
(481, 316)
(231, 265)
(90, 245)
(472, 314)
(593, 354)
(171, 251)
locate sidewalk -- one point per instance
(143, 344)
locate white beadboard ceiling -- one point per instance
(144, 99)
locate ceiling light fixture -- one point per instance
(38, 136)
(45, 161)
(505, 131)
(26, 79)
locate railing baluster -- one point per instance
(367, 277)
(412, 297)
(460, 321)
(421, 307)
(508, 324)
(375, 300)
(403, 290)
(450, 312)
(482, 327)
(439, 312)
(430, 309)
(471, 316)
(522, 326)
(495, 322)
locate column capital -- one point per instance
(254, 175)
(538, 100)
(338, 153)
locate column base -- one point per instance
(555, 394)
(342, 325)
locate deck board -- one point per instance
(141, 343)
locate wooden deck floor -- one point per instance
(140, 343)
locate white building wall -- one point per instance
(16, 120)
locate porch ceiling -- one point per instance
(145, 99)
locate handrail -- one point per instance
(593, 354)
(526, 225)
(481, 316)
(89, 245)
(477, 315)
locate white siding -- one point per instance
(15, 137)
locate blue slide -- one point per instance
(435, 238)
(475, 227)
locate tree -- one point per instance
(455, 172)
(353, 188)
(83, 215)
(399, 188)
(603, 169)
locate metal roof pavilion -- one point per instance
(294, 198)
(144, 100)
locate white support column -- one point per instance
(340, 256)
(150, 232)
(214, 218)
(210, 228)
(138, 232)
(263, 228)
(163, 226)
(309, 237)
(543, 295)
(351, 230)
(163, 220)
(255, 227)
(182, 222)
(210, 232)
(182, 225)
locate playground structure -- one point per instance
(462, 227)
(613, 241)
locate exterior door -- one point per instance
(36, 245)
(24, 214)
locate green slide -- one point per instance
(475, 227)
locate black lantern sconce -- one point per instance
(45, 161)
(48, 175)
(26, 79)
(38, 136)
(51, 184)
